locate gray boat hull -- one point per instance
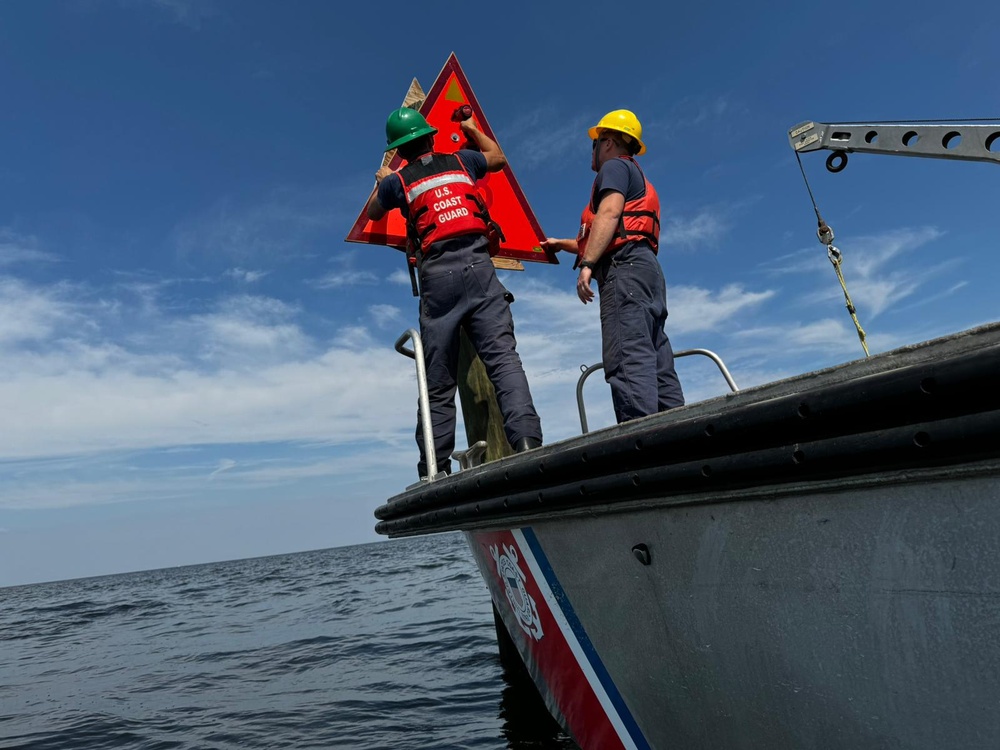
(811, 564)
(853, 617)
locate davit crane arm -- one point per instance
(961, 141)
(934, 139)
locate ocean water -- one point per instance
(385, 645)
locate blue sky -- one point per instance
(194, 365)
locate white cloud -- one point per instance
(361, 465)
(932, 298)
(245, 276)
(320, 398)
(824, 334)
(287, 223)
(346, 273)
(355, 337)
(372, 468)
(807, 260)
(18, 249)
(557, 306)
(345, 278)
(56, 491)
(693, 309)
(96, 372)
(876, 270)
(542, 137)
(247, 326)
(703, 228)
(75, 378)
(224, 465)
(399, 276)
(384, 315)
(32, 314)
(881, 287)
(875, 251)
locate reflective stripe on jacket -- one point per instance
(441, 199)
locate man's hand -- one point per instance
(583, 290)
(551, 243)
(374, 208)
(495, 160)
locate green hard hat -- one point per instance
(405, 125)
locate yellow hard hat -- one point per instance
(622, 121)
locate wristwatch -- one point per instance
(587, 264)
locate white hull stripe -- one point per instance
(579, 643)
(449, 178)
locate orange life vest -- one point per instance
(640, 219)
(442, 200)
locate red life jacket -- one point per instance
(442, 200)
(640, 219)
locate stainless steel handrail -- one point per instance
(579, 393)
(417, 354)
(686, 353)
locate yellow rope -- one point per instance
(825, 235)
(835, 258)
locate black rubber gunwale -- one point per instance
(932, 413)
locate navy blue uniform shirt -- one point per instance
(621, 176)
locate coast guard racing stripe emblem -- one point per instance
(520, 600)
(552, 642)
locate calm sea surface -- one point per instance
(386, 645)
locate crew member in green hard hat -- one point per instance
(617, 244)
(448, 224)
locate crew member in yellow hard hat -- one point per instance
(617, 244)
(448, 224)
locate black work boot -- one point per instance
(527, 444)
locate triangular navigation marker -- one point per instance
(504, 197)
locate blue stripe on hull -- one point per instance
(581, 635)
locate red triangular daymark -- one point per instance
(504, 197)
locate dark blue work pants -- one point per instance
(638, 358)
(459, 287)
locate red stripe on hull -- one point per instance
(544, 647)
